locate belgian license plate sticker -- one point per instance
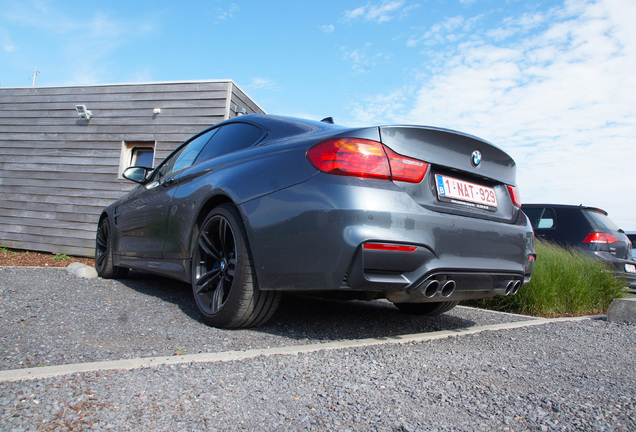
(466, 193)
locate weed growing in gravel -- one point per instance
(4, 250)
(565, 282)
(61, 257)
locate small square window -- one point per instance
(142, 156)
(136, 153)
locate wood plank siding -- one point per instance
(57, 171)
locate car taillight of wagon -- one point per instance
(599, 237)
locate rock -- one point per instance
(82, 270)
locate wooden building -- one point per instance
(62, 151)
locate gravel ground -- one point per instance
(558, 376)
(50, 317)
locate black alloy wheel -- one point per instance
(223, 278)
(104, 253)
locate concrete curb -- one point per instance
(622, 310)
(148, 362)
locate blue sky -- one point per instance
(550, 82)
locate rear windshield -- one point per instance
(600, 221)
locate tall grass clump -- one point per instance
(565, 282)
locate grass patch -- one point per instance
(62, 257)
(565, 282)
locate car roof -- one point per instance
(570, 206)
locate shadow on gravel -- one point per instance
(166, 289)
(311, 317)
(301, 317)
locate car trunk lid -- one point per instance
(464, 171)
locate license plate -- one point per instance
(630, 268)
(465, 193)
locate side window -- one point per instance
(185, 156)
(548, 219)
(230, 138)
(192, 150)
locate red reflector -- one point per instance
(599, 237)
(389, 247)
(515, 196)
(365, 158)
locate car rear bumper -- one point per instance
(310, 237)
(623, 269)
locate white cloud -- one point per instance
(385, 106)
(383, 12)
(363, 59)
(327, 28)
(451, 29)
(82, 39)
(223, 14)
(560, 101)
(8, 45)
(261, 83)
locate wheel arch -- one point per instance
(212, 202)
(102, 216)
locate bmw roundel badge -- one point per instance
(476, 158)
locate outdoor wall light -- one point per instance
(83, 113)
(156, 111)
(239, 110)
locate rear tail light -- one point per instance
(405, 169)
(599, 237)
(515, 196)
(365, 158)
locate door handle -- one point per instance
(167, 181)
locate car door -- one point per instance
(143, 218)
(194, 187)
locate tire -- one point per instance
(104, 253)
(426, 309)
(223, 278)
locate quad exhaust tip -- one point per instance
(444, 288)
(512, 287)
(448, 288)
(431, 288)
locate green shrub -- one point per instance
(565, 282)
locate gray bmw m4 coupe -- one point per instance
(259, 205)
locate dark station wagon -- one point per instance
(587, 228)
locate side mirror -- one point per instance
(136, 174)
